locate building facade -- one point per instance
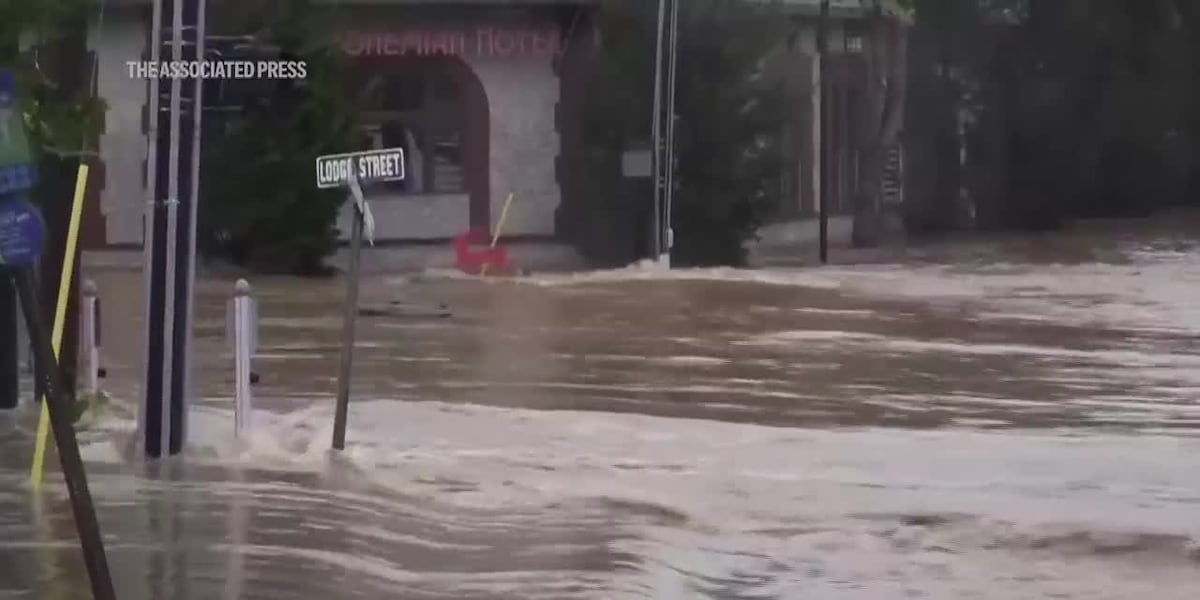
(477, 94)
(471, 92)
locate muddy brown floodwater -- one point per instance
(991, 419)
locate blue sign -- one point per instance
(17, 171)
(16, 178)
(22, 233)
(8, 88)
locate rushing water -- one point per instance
(991, 420)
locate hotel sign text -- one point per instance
(480, 41)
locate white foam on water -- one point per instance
(779, 512)
(717, 501)
(839, 312)
(1126, 358)
(755, 511)
(653, 271)
(1156, 293)
(690, 360)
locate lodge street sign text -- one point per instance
(369, 167)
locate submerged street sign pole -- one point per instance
(170, 228)
(349, 319)
(348, 170)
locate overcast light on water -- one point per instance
(989, 425)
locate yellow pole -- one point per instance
(60, 317)
(499, 226)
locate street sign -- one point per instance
(371, 166)
(22, 233)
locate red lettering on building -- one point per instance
(443, 44)
(505, 44)
(485, 41)
(392, 45)
(488, 42)
(545, 43)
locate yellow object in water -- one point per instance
(60, 317)
(499, 226)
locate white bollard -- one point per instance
(89, 330)
(241, 327)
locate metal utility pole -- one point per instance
(170, 228)
(663, 137)
(669, 151)
(822, 110)
(656, 136)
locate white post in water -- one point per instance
(242, 329)
(89, 329)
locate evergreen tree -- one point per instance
(62, 119)
(44, 43)
(1074, 108)
(260, 206)
(729, 124)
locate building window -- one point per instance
(854, 44)
(419, 108)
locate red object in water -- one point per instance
(471, 261)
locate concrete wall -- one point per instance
(424, 217)
(123, 144)
(522, 91)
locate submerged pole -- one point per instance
(669, 153)
(348, 324)
(172, 176)
(243, 325)
(823, 81)
(656, 138)
(89, 328)
(62, 424)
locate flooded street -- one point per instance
(1008, 419)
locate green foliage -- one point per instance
(727, 133)
(260, 207)
(1075, 108)
(59, 121)
(730, 124)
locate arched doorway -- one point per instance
(437, 110)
